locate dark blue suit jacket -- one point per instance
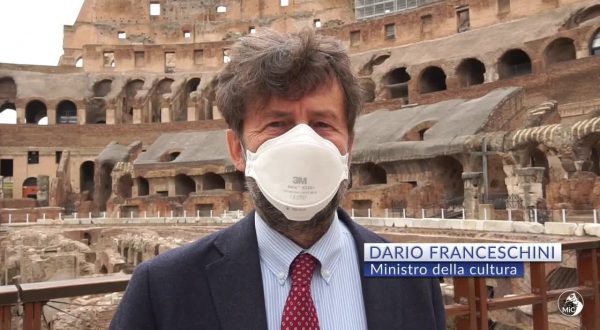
(215, 283)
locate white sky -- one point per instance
(32, 33)
(32, 30)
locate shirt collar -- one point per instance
(277, 251)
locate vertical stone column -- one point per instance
(51, 112)
(21, 115)
(473, 183)
(43, 190)
(165, 115)
(529, 185)
(137, 115)
(81, 116)
(110, 115)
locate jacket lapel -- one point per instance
(376, 293)
(235, 279)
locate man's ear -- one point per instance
(235, 150)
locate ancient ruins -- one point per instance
(474, 109)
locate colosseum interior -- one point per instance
(469, 105)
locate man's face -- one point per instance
(322, 110)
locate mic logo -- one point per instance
(570, 303)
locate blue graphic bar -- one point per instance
(443, 269)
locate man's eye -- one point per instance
(321, 125)
(276, 124)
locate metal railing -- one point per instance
(33, 296)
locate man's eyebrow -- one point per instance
(325, 114)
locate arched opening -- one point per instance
(124, 186)
(102, 88)
(396, 81)
(595, 44)
(30, 188)
(87, 238)
(371, 173)
(470, 72)
(8, 90)
(417, 133)
(561, 278)
(559, 50)
(143, 187)
(103, 270)
(211, 181)
(433, 79)
(448, 172)
(131, 90)
(79, 63)
(8, 114)
(163, 88)
(191, 90)
(595, 158)
(184, 185)
(367, 69)
(170, 156)
(34, 112)
(86, 178)
(66, 113)
(513, 63)
(105, 189)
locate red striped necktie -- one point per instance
(299, 311)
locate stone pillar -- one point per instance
(137, 115)
(529, 184)
(43, 190)
(21, 115)
(233, 182)
(51, 112)
(191, 114)
(473, 183)
(81, 116)
(110, 116)
(165, 115)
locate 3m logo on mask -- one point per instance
(300, 180)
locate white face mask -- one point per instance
(299, 172)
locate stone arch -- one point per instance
(191, 89)
(162, 88)
(208, 98)
(66, 112)
(448, 172)
(513, 63)
(211, 181)
(559, 50)
(417, 133)
(35, 110)
(124, 186)
(30, 188)
(102, 88)
(79, 62)
(371, 173)
(105, 181)
(86, 177)
(595, 44)
(396, 83)
(367, 86)
(470, 71)
(432, 79)
(143, 187)
(184, 185)
(128, 102)
(8, 113)
(377, 59)
(8, 89)
(169, 156)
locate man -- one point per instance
(291, 102)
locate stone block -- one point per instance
(560, 228)
(592, 229)
(497, 225)
(463, 224)
(427, 223)
(402, 223)
(528, 227)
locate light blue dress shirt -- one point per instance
(336, 285)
